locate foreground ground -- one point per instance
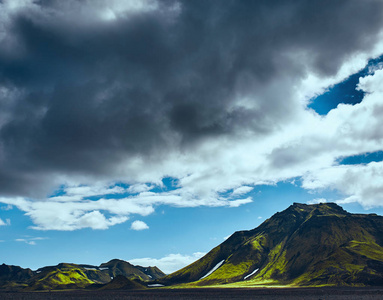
(200, 294)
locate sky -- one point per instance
(150, 130)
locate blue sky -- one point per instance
(150, 131)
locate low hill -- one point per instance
(120, 282)
(73, 276)
(305, 245)
(14, 276)
(119, 267)
(62, 276)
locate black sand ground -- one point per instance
(201, 294)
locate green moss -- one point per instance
(259, 242)
(368, 249)
(275, 266)
(63, 277)
(346, 266)
(229, 272)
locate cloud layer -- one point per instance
(210, 93)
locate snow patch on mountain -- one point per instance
(155, 285)
(212, 270)
(251, 274)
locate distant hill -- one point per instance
(120, 282)
(73, 276)
(63, 276)
(12, 277)
(119, 267)
(304, 245)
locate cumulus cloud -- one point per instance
(139, 225)
(210, 93)
(169, 263)
(360, 183)
(355, 130)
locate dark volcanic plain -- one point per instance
(209, 293)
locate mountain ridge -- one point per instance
(304, 245)
(74, 276)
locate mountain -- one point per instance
(73, 276)
(120, 282)
(14, 276)
(304, 245)
(62, 276)
(119, 267)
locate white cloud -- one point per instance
(140, 188)
(79, 192)
(6, 223)
(242, 190)
(317, 201)
(353, 130)
(72, 212)
(372, 83)
(169, 263)
(359, 183)
(139, 225)
(30, 240)
(26, 241)
(8, 207)
(239, 202)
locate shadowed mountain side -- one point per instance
(303, 245)
(120, 282)
(14, 276)
(119, 267)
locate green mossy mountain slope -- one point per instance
(62, 276)
(304, 245)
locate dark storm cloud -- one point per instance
(85, 93)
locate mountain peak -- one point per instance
(116, 261)
(120, 282)
(328, 208)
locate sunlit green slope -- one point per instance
(304, 245)
(62, 276)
